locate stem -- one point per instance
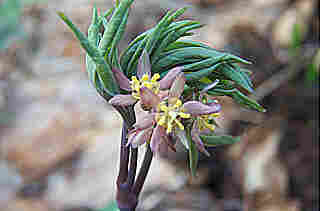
(128, 190)
(124, 156)
(137, 187)
(133, 166)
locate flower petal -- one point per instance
(144, 66)
(145, 121)
(176, 88)
(169, 142)
(181, 134)
(196, 139)
(122, 100)
(122, 80)
(197, 108)
(142, 137)
(148, 99)
(156, 138)
(168, 79)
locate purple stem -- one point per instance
(137, 187)
(124, 156)
(133, 166)
(128, 189)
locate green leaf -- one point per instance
(102, 68)
(246, 101)
(179, 56)
(172, 34)
(130, 70)
(111, 32)
(237, 76)
(193, 157)
(130, 51)
(10, 27)
(90, 49)
(195, 76)
(112, 206)
(118, 36)
(184, 44)
(213, 140)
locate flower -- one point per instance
(143, 79)
(166, 118)
(203, 125)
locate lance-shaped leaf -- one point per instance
(110, 33)
(237, 76)
(117, 38)
(238, 97)
(93, 37)
(156, 39)
(212, 141)
(174, 32)
(197, 75)
(246, 101)
(102, 68)
(170, 35)
(193, 157)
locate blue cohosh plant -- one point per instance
(164, 88)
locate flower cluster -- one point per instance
(164, 114)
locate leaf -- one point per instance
(213, 140)
(113, 27)
(179, 56)
(237, 76)
(246, 101)
(102, 68)
(193, 157)
(195, 76)
(118, 36)
(112, 206)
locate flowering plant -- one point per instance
(164, 89)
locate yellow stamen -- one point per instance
(155, 77)
(145, 81)
(169, 115)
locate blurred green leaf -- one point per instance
(312, 74)
(10, 29)
(112, 206)
(213, 140)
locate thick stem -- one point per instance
(137, 187)
(124, 156)
(127, 209)
(128, 189)
(133, 166)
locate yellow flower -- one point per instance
(169, 115)
(145, 81)
(204, 121)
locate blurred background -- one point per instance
(59, 141)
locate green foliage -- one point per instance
(193, 156)
(112, 206)
(10, 12)
(312, 74)
(10, 26)
(212, 140)
(201, 64)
